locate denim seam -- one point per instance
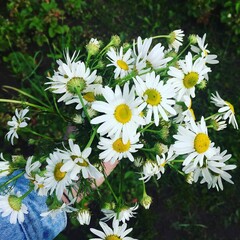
(25, 232)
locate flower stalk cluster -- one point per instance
(133, 112)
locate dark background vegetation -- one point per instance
(33, 35)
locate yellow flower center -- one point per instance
(58, 175)
(84, 163)
(89, 97)
(40, 185)
(15, 202)
(192, 113)
(201, 142)
(205, 53)
(123, 65)
(123, 113)
(190, 80)
(112, 237)
(76, 83)
(231, 106)
(153, 97)
(163, 164)
(120, 147)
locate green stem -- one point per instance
(210, 117)
(148, 150)
(38, 134)
(12, 179)
(27, 193)
(177, 161)
(161, 36)
(91, 138)
(186, 47)
(57, 109)
(152, 131)
(25, 103)
(102, 51)
(144, 187)
(110, 187)
(88, 58)
(149, 125)
(25, 94)
(171, 165)
(83, 105)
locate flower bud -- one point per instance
(115, 40)
(160, 148)
(84, 216)
(78, 119)
(93, 46)
(109, 205)
(138, 161)
(202, 84)
(192, 39)
(146, 201)
(189, 178)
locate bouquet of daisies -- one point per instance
(124, 107)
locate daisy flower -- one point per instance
(31, 168)
(18, 121)
(117, 232)
(39, 186)
(213, 171)
(124, 214)
(226, 109)
(151, 167)
(183, 114)
(188, 76)
(221, 172)
(156, 97)
(114, 149)
(11, 204)
(71, 75)
(202, 49)
(4, 167)
(55, 179)
(122, 62)
(193, 141)
(76, 161)
(63, 208)
(121, 113)
(175, 39)
(218, 123)
(84, 216)
(154, 57)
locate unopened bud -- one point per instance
(160, 148)
(192, 39)
(202, 84)
(189, 178)
(78, 119)
(93, 46)
(84, 216)
(146, 201)
(115, 40)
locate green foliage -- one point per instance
(231, 17)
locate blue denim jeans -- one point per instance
(34, 226)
